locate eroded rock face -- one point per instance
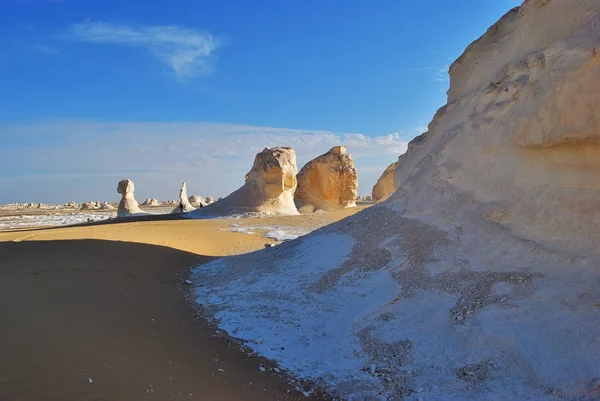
(269, 186)
(328, 182)
(477, 278)
(128, 205)
(385, 184)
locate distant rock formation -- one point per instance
(184, 204)
(128, 205)
(88, 205)
(151, 202)
(269, 187)
(197, 201)
(210, 200)
(328, 182)
(385, 184)
(106, 206)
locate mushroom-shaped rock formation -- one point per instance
(480, 273)
(184, 205)
(385, 184)
(269, 187)
(328, 182)
(128, 205)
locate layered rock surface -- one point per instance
(385, 184)
(128, 205)
(328, 182)
(478, 278)
(269, 187)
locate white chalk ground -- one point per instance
(40, 220)
(279, 233)
(433, 319)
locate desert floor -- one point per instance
(102, 312)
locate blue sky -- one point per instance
(191, 90)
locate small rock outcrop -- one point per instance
(128, 205)
(269, 187)
(196, 201)
(151, 202)
(210, 200)
(328, 182)
(184, 205)
(106, 206)
(385, 184)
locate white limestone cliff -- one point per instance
(478, 278)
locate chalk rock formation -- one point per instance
(385, 184)
(306, 209)
(151, 202)
(197, 201)
(478, 278)
(88, 205)
(328, 182)
(128, 205)
(106, 206)
(269, 187)
(184, 204)
(210, 200)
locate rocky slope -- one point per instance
(478, 278)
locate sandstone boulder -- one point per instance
(269, 187)
(385, 184)
(328, 182)
(184, 204)
(128, 205)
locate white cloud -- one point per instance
(84, 160)
(187, 52)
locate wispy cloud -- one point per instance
(45, 49)
(437, 74)
(187, 52)
(212, 158)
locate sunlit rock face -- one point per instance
(385, 184)
(269, 187)
(329, 182)
(128, 205)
